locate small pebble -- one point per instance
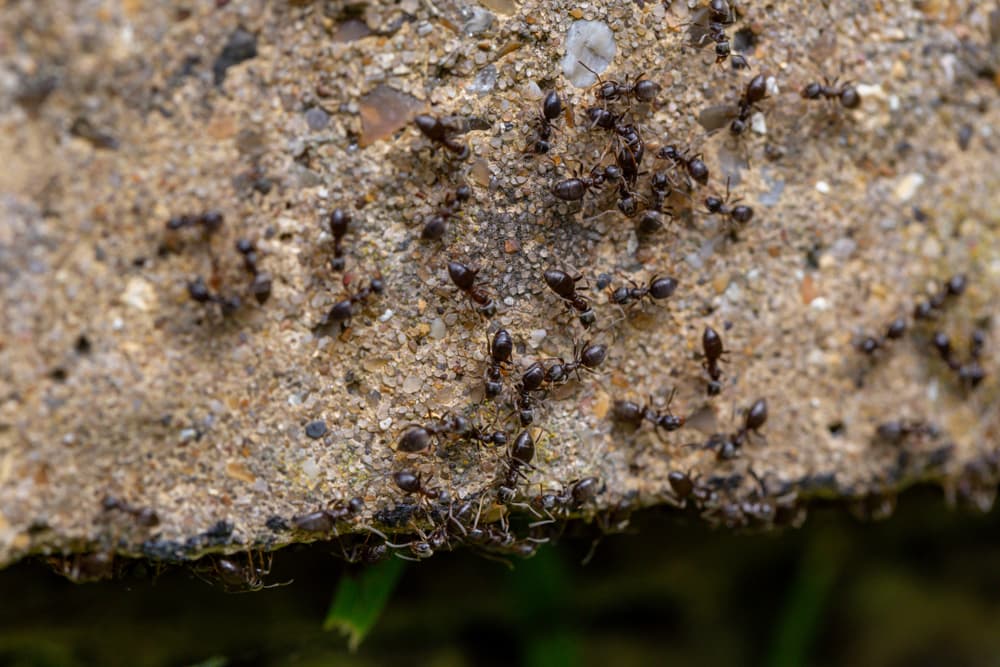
(316, 429)
(438, 329)
(823, 187)
(412, 384)
(591, 43)
(907, 187)
(317, 119)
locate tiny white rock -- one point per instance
(590, 43)
(823, 187)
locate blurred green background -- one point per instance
(920, 589)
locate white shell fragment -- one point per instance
(591, 43)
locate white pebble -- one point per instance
(758, 124)
(823, 187)
(772, 86)
(438, 328)
(591, 43)
(385, 423)
(907, 187)
(386, 316)
(412, 384)
(536, 337)
(819, 303)
(309, 468)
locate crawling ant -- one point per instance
(696, 168)
(711, 345)
(871, 344)
(344, 310)
(896, 431)
(602, 118)
(418, 438)
(586, 357)
(929, 308)
(144, 516)
(728, 446)
(551, 109)
(643, 90)
(684, 486)
(632, 414)
(437, 224)
(438, 132)
(464, 278)
(740, 214)
(198, 291)
(520, 454)
(325, 520)
(86, 567)
(718, 14)
(209, 221)
(970, 373)
(846, 94)
(238, 578)
(410, 482)
(656, 290)
(574, 189)
(564, 285)
(338, 222)
(630, 154)
(756, 91)
(260, 286)
(500, 350)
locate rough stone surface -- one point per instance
(118, 116)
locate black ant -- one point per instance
(551, 109)
(238, 578)
(929, 308)
(209, 221)
(971, 373)
(657, 289)
(437, 224)
(500, 350)
(564, 285)
(711, 345)
(410, 482)
(521, 452)
(696, 168)
(740, 214)
(630, 154)
(464, 278)
(144, 516)
(719, 15)
(260, 286)
(643, 90)
(756, 91)
(728, 447)
(846, 94)
(602, 118)
(574, 189)
(684, 486)
(586, 357)
(896, 431)
(344, 310)
(325, 520)
(339, 221)
(632, 414)
(418, 438)
(198, 291)
(438, 132)
(871, 344)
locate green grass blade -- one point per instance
(360, 599)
